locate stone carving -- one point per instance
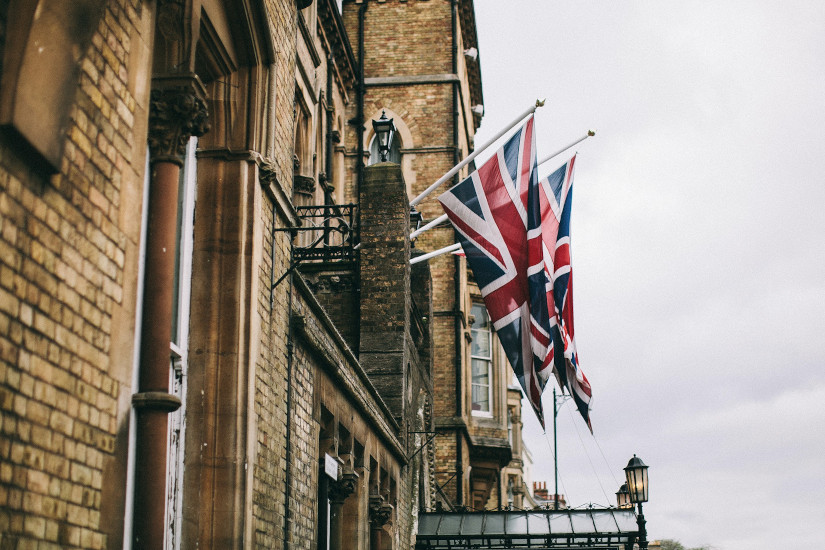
(380, 512)
(170, 19)
(268, 173)
(339, 490)
(304, 185)
(175, 115)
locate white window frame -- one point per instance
(179, 351)
(488, 359)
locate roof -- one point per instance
(604, 528)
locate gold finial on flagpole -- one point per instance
(590, 133)
(540, 103)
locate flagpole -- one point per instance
(434, 253)
(442, 218)
(471, 156)
(555, 452)
(590, 133)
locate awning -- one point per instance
(604, 528)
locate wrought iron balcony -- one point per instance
(327, 233)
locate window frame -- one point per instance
(488, 359)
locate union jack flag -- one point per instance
(497, 216)
(556, 199)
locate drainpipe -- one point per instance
(459, 412)
(289, 361)
(459, 329)
(328, 151)
(177, 112)
(328, 159)
(289, 355)
(359, 164)
(456, 84)
(360, 93)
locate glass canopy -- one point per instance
(602, 528)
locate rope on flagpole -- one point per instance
(590, 133)
(434, 253)
(471, 156)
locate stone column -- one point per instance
(177, 112)
(380, 513)
(338, 492)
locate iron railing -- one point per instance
(327, 233)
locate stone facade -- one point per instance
(69, 249)
(205, 298)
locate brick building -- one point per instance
(421, 67)
(210, 333)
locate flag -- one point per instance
(496, 213)
(556, 196)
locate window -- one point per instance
(510, 428)
(481, 355)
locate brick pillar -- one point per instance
(176, 113)
(385, 281)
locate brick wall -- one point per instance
(68, 248)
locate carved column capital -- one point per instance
(177, 111)
(380, 512)
(339, 490)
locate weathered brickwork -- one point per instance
(276, 378)
(422, 77)
(68, 249)
(271, 371)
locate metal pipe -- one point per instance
(459, 338)
(555, 455)
(328, 146)
(456, 84)
(359, 163)
(153, 401)
(289, 355)
(590, 133)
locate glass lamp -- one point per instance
(636, 474)
(384, 131)
(623, 497)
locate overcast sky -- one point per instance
(698, 253)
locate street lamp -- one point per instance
(623, 497)
(636, 474)
(384, 131)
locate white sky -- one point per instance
(698, 253)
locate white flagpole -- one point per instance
(590, 133)
(442, 218)
(471, 156)
(435, 253)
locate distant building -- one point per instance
(545, 499)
